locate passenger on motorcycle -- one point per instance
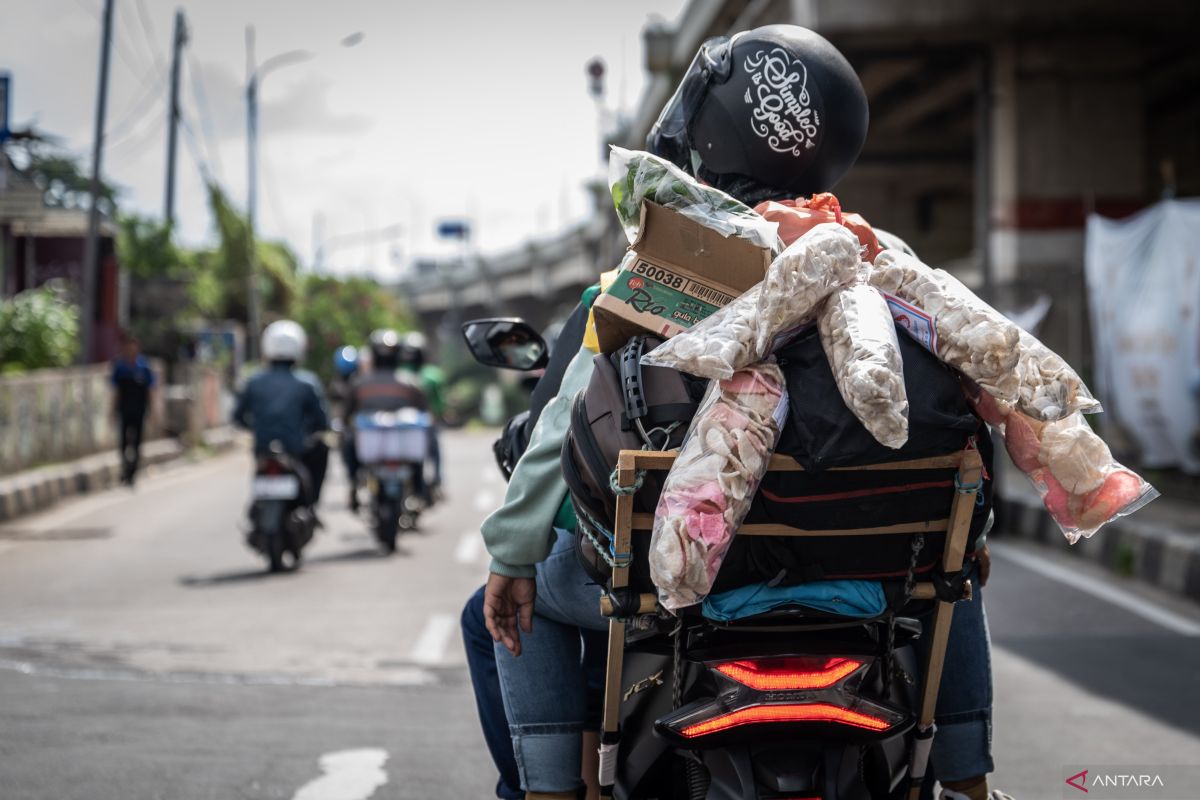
(706, 129)
(384, 387)
(287, 405)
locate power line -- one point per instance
(200, 98)
(135, 70)
(127, 29)
(194, 149)
(136, 110)
(269, 190)
(150, 36)
(151, 80)
(134, 130)
(135, 141)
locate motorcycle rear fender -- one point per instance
(646, 699)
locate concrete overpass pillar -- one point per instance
(1068, 138)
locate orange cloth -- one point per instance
(797, 217)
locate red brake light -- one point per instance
(786, 712)
(789, 674)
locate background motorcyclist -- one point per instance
(346, 364)
(707, 130)
(384, 386)
(415, 364)
(287, 405)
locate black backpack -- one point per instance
(822, 433)
(625, 406)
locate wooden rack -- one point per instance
(957, 525)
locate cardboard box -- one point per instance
(682, 273)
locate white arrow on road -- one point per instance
(349, 775)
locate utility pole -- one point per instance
(179, 40)
(251, 193)
(91, 255)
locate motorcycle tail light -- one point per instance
(272, 466)
(786, 712)
(790, 674)
(784, 690)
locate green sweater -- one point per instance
(519, 534)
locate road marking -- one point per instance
(431, 644)
(469, 548)
(410, 676)
(349, 775)
(485, 501)
(1103, 591)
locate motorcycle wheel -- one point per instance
(275, 553)
(387, 526)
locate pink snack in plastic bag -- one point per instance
(1080, 483)
(709, 489)
(1022, 442)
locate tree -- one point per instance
(39, 328)
(343, 311)
(145, 248)
(57, 172)
(221, 287)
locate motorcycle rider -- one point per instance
(345, 367)
(383, 387)
(431, 380)
(709, 129)
(287, 405)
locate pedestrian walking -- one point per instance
(133, 387)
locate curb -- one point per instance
(40, 488)
(1161, 556)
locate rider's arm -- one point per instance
(316, 413)
(518, 535)
(241, 412)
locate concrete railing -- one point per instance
(56, 415)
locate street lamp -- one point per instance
(254, 76)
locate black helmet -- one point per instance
(385, 349)
(413, 350)
(775, 111)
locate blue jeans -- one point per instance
(962, 746)
(544, 700)
(546, 690)
(481, 663)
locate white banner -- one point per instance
(1143, 278)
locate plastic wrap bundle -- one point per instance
(797, 217)
(859, 338)
(1080, 483)
(709, 489)
(744, 332)
(635, 176)
(974, 338)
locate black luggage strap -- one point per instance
(631, 379)
(949, 588)
(910, 580)
(662, 419)
(626, 602)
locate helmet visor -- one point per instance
(669, 137)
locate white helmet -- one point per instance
(284, 341)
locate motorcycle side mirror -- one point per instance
(507, 343)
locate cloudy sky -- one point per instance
(444, 109)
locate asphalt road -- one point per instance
(145, 654)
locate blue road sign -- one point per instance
(454, 229)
